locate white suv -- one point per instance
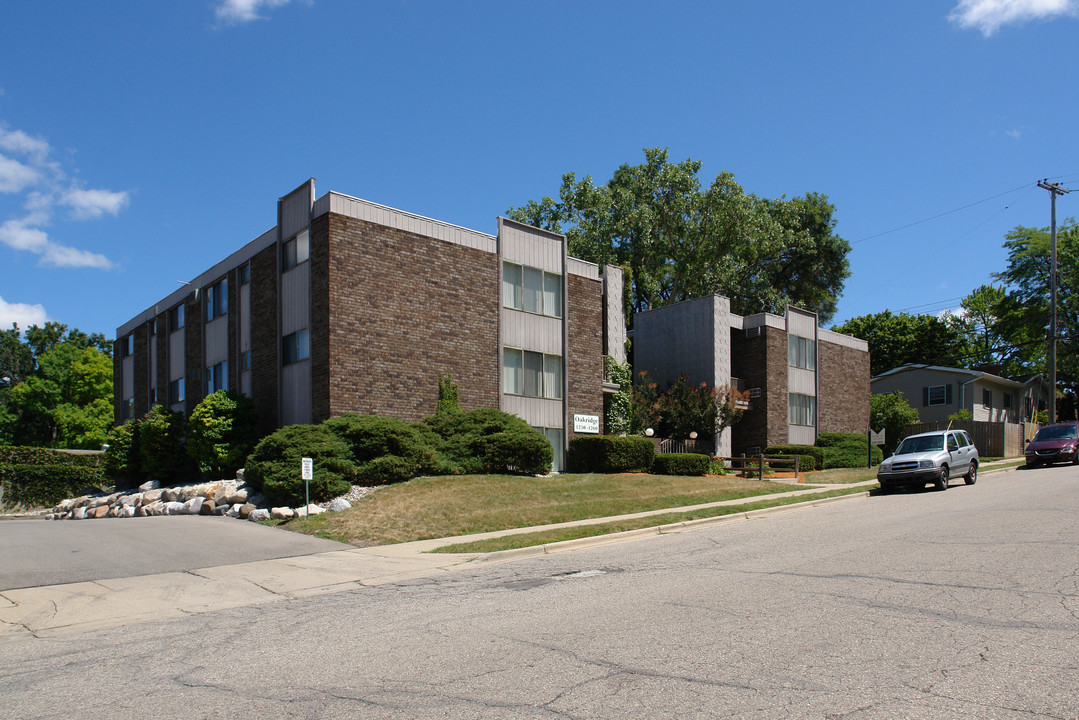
(931, 457)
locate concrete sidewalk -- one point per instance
(55, 610)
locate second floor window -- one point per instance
(803, 409)
(217, 300)
(296, 347)
(532, 374)
(176, 318)
(531, 289)
(296, 251)
(802, 352)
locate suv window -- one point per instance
(953, 443)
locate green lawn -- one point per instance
(436, 507)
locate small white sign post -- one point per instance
(307, 474)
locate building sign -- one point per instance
(586, 424)
(876, 438)
(307, 469)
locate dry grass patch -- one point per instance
(437, 507)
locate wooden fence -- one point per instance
(993, 439)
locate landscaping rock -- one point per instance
(311, 509)
(259, 515)
(173, 508)
(100, 511)
(237, 496)
(79, 513)
(151, 496)
(150, 485)
(281, 513)
(208, 507)
(193, 506)
(338, 505)
(170, 495)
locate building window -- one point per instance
(937, 395)
(1007, 400)
(803, 409)
(245, 361)
(217, 377)
(554, 436)
(127, 345)
(153, 327)
(176, 318)
(296, 347)
(532, 374)
(217, 300)
(532, 290)
(176, 391)
(127, 410)
(243, 273)
(802, 352)
(296, 251)
(987, 397)
(153, 396)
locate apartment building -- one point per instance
(347, 306)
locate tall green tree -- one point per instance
(55, 387)
(677, 240)
(1026, 281)
(898, 339)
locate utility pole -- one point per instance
(1054, 190)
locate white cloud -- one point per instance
(14, 176)
(989, 15)
(22, 314)
(92, 204)
(45, 188)
(1015, 133)
(233, 12)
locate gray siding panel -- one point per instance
(801, 381)
(176, 355)
(613, 288)
(245, 317)
(535, 411)
(216, 347)
(296, 393)
(531, 332)
(296, 209)
(296, 298)
(128, 386)
(530, 246)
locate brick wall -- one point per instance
(141, 371)
(117, 383)
(761, 362)
(234, 329)
(162, 340)
(264, 340)
(403, 311)
(320, 318)
(843, 385)
(585, 356)
(195, 387)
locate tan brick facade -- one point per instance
(761, 362)
(403, 310)
(264, 340)
(585, 356)
(843, 378)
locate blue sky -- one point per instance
(142, 142)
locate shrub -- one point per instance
(48, 484)
(274, 465)
(160, 447)
(464, 436)
(122, 462)
(893, 413)
(25, 455)
(681, 464)
(847, 450)
(385, 470)
(610, 454)
(806, 463)
(817, 454)
(221, 432)
(370, 437)
(523, 452)
(448, 401)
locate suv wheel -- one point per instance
(972, 476)
(942, 479)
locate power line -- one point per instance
(944, 214)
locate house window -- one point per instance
(217, 300)
(176, 391)
(803, 409)
(802, 352)
(217, 377)
(243, 273)
(245, 361)
(296, 347)
(176, 318)
(532, 374)
(937, 395)
(127, 346)
(1007, 400)
(296, 251)
(532, 290)
(987, 397)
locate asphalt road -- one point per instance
(42, 552)
(961, 604)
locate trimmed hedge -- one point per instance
(806, 463)
(48, 484)
(611, 454)
(387, 450)
(803, 450)
(26, 455)
(467, 444)
(681, 464)
(274, 465)
(847, 450)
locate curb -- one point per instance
(499, 556)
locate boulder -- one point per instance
(150, 496)
(237, 496)
(193, 506)
(79, 513)
(281, 513)
(99, 512)
(338, 505)
(221, 510)
(311, 509)
(246, 509)
(173, 508)
(127, 511)
(135, 499)
(258, 500)
(150, 485)
(140, 511)
(208, 507)
(190, 492)
(259, 515)
(170, 495)
(240, 476)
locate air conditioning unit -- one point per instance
(753, 332)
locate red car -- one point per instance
(1054, 443)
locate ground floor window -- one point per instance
(217, 377)
(554, 436)
(531, 374)
(803, 409)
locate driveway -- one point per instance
(41, 552)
